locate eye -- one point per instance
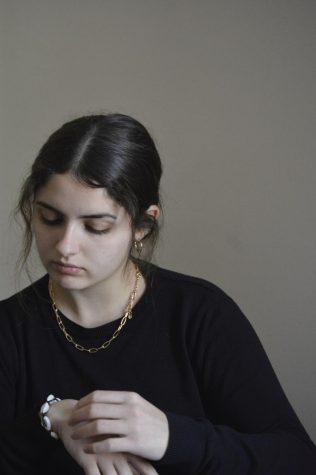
(49, 217)
(94, 230)
(97, 226)
(51, 222)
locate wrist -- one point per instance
(44, 414)
(53, 412)
(59, 414)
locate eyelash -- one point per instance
(56, 222)
(96, 231)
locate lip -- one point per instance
(68, 269)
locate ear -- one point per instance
(153, 211)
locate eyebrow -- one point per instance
(91, 216)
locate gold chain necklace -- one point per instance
(127, 316)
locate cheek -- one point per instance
(112, 249)
(41, 245)
(42, 239)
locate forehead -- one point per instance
(69, 195)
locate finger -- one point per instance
(122, 467)
(109, 445)
(114, 397)
(99, 427)
(106, 468)
(91, 469)
(97, 411)
(117, 466)
(141, 466)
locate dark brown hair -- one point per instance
(112, 151)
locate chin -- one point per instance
(68, 282)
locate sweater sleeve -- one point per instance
(25, 447)
(250, 427)
(22, 438)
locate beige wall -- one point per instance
(228, 89)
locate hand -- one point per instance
(59, 414)
(93, 464)
(122, 422)
(119, 464)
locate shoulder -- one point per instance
(188, 294)
(185, 283)
(191, 291)
(24, 301)
(203, 305)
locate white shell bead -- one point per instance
(47, 423)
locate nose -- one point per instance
(67, 243)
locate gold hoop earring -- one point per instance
(138, 246)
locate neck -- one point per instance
(100, 304)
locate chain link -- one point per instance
(127, 316)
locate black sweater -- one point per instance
(188, 349)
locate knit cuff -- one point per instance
(186, 446)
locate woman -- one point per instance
(130, 368)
